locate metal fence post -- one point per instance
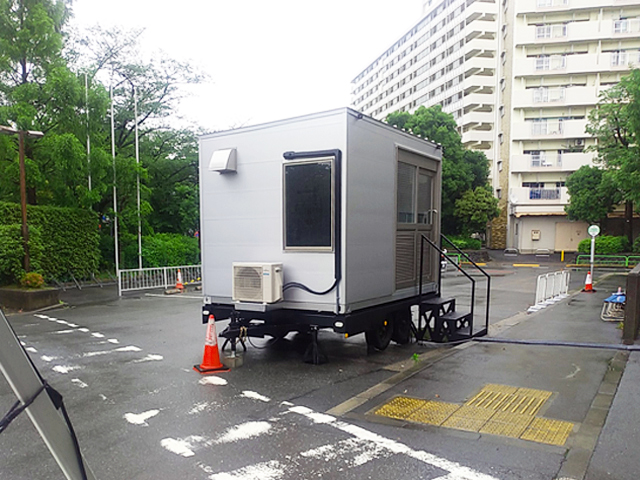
(632, 307)
(164, 271)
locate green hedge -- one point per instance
(12, 252)
(636, 245)
(605, 245)
(69, 238)
(465, 243)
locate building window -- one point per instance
(499, 193)
(619, 58)
(551, 62)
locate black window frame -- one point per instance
(309, 248)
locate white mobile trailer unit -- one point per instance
(317, 221)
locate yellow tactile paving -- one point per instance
(496, 409)
(507, 424)
(433, 413)
(545, 430)
(400, 407)
(468, 418)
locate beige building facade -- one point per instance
(527, 73)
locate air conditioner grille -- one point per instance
(248, 283)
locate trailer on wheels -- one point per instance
(326, 221)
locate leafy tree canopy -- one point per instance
(475, 209)
(61, 83)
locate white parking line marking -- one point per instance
(255, 396)
(140, 418)
(244, 431)
(457, 471)
(212, 380)
(272, 470)
(150, 358)
(64, 369)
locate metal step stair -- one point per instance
(440, 320)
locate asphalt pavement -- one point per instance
(124, 367)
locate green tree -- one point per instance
(462, 169)
(593, 194)
(615, 123)
(475, 209)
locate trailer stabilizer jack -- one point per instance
(314, 353)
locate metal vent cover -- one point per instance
(247, 283)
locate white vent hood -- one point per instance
(223, 161)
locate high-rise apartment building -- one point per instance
(449, 58)
(527, 74)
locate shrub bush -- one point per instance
(465, 243)
(32, 280)
(605, 245)
(636, 245)
(169, 249)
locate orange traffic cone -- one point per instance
(179, 284)
(211, 358)
(588, 284)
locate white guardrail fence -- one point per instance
(162, 277)
(551, 288)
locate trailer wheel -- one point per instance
(380, 336)
(402, 327)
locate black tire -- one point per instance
(380, 336)
(402, 327)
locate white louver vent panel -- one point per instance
(257, 282)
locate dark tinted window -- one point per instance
(308, 204)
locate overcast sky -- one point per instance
(266, 59)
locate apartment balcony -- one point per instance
(476, 100)
(479, 64)
(476, 118)
(550, 129)
(561, 65)
(545, 6)
(479, 10)
(549, 162)
(481, 28)
(476, 82)
(480, 45)
(538, 196)
(553, 96)
(475, 137)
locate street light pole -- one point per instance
(23, 184)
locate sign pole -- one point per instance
(594, 231)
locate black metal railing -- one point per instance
(444, 254)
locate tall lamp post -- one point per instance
(23, 182)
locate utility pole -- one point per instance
(23, 184)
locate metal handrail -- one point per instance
(473, 282)
(477, 267)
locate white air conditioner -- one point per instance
(257, 282)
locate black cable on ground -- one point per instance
(550, 343)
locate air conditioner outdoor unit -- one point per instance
(257, 282)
